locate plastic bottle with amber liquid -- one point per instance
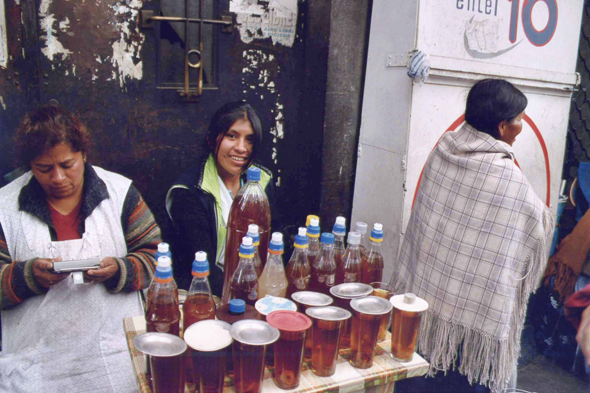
(162, 312)
(199, 304)
(250, 206)
(339, 231)
(361, 227)
(273, 280)
(351, 267)
(253, 233)
(244, 284)
(323, 270)
(298, 269)
(313, 240)
(372, 269)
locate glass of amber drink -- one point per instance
(343, 294)
(384, 290)
(251, 339)
(265, 306)
(327, 324)
(210, 342)
(166, 360)
(407, 313)
(366, 318)
(288, 350)
(304, 300)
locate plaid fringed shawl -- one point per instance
(477, 241)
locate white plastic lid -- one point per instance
(253, 228)
(277, 237)
(164, 262)
(314, 222)
(340, 221)
(163, 247)
(354, 238)
(302, 232)
(247, 241)
(409, 302)
(200, 256)
(378, 226)
(361, 227)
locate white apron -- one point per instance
(72, 338)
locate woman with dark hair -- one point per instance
(59, 334)
(476, 243)
(200, 200)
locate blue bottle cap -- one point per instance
(237, 306)
(200, 265)
(377, 233)
(327, 238)
(253, 233)
(313, 229)
(246, 248)
(301, 238)
(163, 269)
(276, 242)
(253, 174)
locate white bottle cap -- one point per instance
(354, 238)
(378, 226)
(277, 237)
(253, 229)
(163, 247)
(247, 241)
(163, 262)
(314, 222)
(361, 227)
(341, 221)
(200, 256)
(302, 231)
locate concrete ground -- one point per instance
(542, 376)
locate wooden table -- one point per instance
(381, 377)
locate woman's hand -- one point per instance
(108, 268)
(583, 336)
(43, 275)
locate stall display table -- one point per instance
(379, 378)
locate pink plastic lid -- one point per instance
(289, 321)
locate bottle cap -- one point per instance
(288, 321)
(276, 242)
(163, 247)
(253, 233)
(301, 238)
(339, 228)
(164, 269)
(246, 248)
(313, 229)
(237, 306)
(327, 238)
(361, 227)
(309, 217)
(200, 265)
(409, 302)
(377, 233)
(253, 174)
(354, 238)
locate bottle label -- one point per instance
(300, 283)
(350, 277)
(253, 295)
(330, 280)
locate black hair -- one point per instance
(225, 117)
(491, 101)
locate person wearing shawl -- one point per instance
(475, 247)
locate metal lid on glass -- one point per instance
(268, 304)
(329, 313)
(159, 344)
(372, 305)
(208, 335)
(351, 290)
(254, 332)
(312, 299)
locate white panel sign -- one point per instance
(259, 19)
(534, 34)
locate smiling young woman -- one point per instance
(199, 201)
